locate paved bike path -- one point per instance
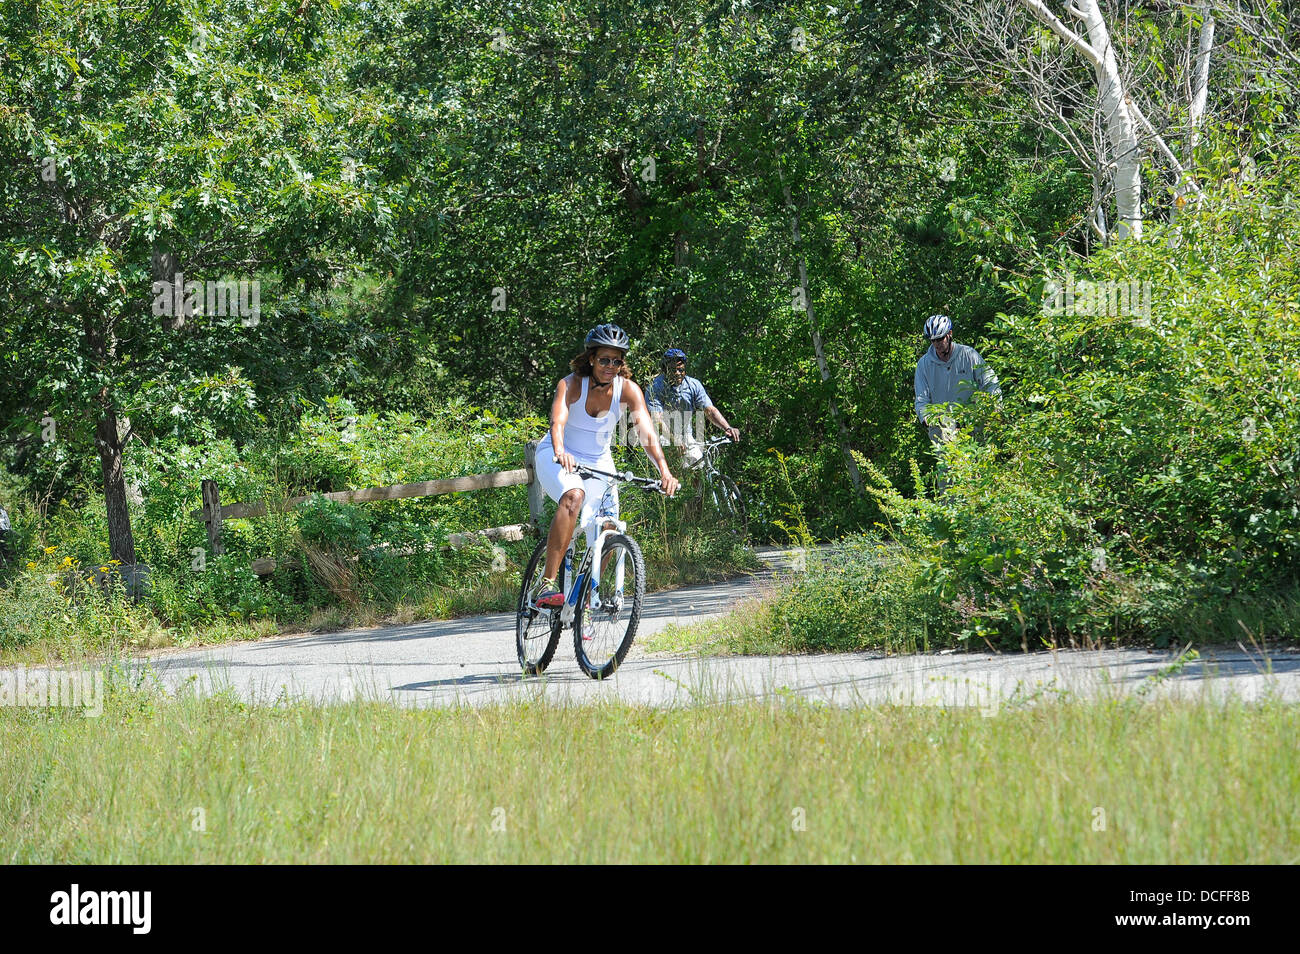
(472, 661)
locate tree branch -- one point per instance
(1053, 22)
(1162, 146)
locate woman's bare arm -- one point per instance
(559, 417)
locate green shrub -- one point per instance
(862, 595)
(331, 523)
(1141, 474)
(51, 599)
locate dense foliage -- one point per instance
(1142, 478)
(436, 199)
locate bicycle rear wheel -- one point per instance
(606, 617)
(537, 631)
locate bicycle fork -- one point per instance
(597, 562)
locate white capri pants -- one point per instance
(556, 481)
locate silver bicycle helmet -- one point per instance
(936, 326)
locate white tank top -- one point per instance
(585, 437)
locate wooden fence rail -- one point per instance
(213, 511)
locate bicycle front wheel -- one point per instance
(727, 501)
(537, 631)
(606, 617)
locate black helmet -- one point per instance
(608, 336)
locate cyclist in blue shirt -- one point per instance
(675, 394)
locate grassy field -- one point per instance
(190, 780)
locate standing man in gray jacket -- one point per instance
(949, 373)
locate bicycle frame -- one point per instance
(708, 455)
(591, 560)
(710, 461)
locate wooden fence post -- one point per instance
(536, 495)
(212, 516)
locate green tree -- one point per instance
(214, 141)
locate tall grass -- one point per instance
(212, 780)
(39, 621)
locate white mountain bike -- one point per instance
(601, 604)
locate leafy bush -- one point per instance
(862, 595)
(1143, 470)
(52, 598)
(334, 524)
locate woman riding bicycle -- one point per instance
(584, 417)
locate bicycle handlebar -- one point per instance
(626, 477)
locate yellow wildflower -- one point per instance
(50, 549)
(31, 565)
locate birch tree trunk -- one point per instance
(1196, 108)
(1121, 127)
(1112, 138)
(1113, 106)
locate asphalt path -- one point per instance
(472, 661)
